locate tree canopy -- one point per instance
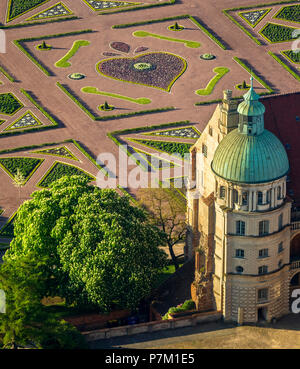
(97, 248)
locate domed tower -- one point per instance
(252, 215)
(239, 223)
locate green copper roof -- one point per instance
(251, 106)
(250, 158)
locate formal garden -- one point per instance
(77, 82)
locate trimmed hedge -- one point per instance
(37, 23)
(7, 75)
(178, 17)
(289, 13)
(27, 166)
(108, 117)
(59, 170)
(44, 69)
(285, 66)
(9, 104)
(226, 13)
(17, 8)
(277, 33)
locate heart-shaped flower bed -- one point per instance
(157, 69)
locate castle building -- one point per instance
(240, 217)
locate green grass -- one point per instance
(26, 166)
(277, 33)
(94, 90)
(19, 7)
(166, 273)
(221, 71)
(59, 170)
(166, 146)
(289, 13)
(9, 104)
(187, 43)
(64, 62)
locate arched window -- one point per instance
(222, 192)
(279, 193)
(239, 269)
(259, 197)
(235, 196)
(245, 198)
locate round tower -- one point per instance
(252, 215)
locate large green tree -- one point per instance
(26, 322)
(99, 249)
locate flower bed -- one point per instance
(57, 10)
(57, 151)
(102, 5)
(76, 76)
(169, 147)
(19, 7)
(160, 75)
(186, 132)
(255, 16)
(120, 46)
(180, 310)
(292, 56)
(207, 56)
(289, 13)
(26, 166)
(26, 120)
(277, 33)
(9, 104)
(59, 170)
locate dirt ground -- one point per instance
(285, 334)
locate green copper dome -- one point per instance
(250, 159)
(250, 153)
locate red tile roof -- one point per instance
(281, 119)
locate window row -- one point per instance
(262, 253)
(263, 226)
(263, 269)
(245, 194)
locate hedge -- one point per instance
(7, 75)
(108, 117)
(285, 66)
(178, 17)
(37, 23)
(170, 2)
(16, 8)
(226, 13)
(27, 166)
(46, 71)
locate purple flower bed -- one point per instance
(140, 49)
(110, 54)
(166, 68)
(120, 46)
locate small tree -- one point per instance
(244, 84)
(19, 180)
(168, 213)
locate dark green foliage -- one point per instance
(18, 7)
(277, 33)
(60, 170)
(27, 323)
(187, 305)
(290, 13)
(8, 229)
(295, 57)
(99, 250)
(9, 104)
(25, 165)
(169, 147)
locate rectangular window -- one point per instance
(245, 198)
(263, 269)
(263, 227)
(239, 253)
(280, 222)
(280, 247)
(240, 228)
(222, 192)
(262, 294)
(263, 253)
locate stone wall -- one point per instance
(149, 327)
